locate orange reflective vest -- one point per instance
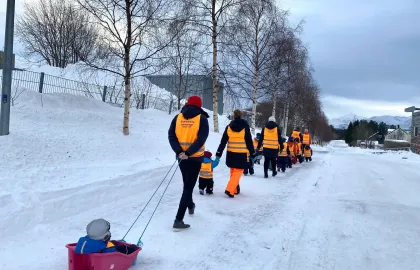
(307, 152)
(255, 144)
(306, 139)
(186, 131)
(236, 142)
(271, 138)
(292, 148)
(299, 149)
(295, 134)
(206, 171)
(283, 153)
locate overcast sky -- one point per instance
(366, 54)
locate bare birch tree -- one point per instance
(249, 44)
(210, 16)
(133, 32)
(56, 32)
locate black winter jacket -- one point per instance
(189, 112)
(236, 160)
(271, 153)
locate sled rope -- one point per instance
(161, 197)
(164, 178)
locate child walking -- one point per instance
(307, 152)
(206, 173)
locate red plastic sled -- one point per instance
(100, 261)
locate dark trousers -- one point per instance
(249, 169)
(205, 183)
(267, 162)
(300, 158)
(282, 163)
(308, 159)
(289, 162)
(190, 169)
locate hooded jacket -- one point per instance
(271, 152)
(237, 160)
(190, 111)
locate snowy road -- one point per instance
(346, 210)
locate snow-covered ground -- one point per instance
(66, 163)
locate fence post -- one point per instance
(104, 93)
(170, 106)
(143, 98)
(41, 82)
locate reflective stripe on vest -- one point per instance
(236, 142)
(306, 138)
(271, 138)
(186, 131)
(307, 153)
(284, 152)
(206, 171)
(292, 149)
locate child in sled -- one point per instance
(299, 154)
(206, 173)
(307, 152)
(98, 240)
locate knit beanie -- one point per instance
(207, 154)
(237, 114)
(272, 119)
(98, 229)
(195, 101)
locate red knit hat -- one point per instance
(207, 154)
(195, 101)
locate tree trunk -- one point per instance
(214, 69)
(127, 76)
(254, 102)
(273, 112)
(286, 118)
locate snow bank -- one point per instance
(156, 97)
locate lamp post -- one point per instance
(7, 69)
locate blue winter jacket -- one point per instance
(87, 245)
(214, 163)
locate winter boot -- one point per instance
(201, 192)
(209, 191)
(265, 174)
(245, 174)
(179, 225)
(274, 173)
(228, 194)
(238, 190)
(191, 210)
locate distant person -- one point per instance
(238, 138)
(187, 136)
(307, 140)
(307, 152)
(297, 134)
(272, 140)
(283, 156)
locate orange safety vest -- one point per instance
(307, 153)
(255, 144)
(206, 171)
(236, 142)
(295, 134)
(284, 152)
(299, 149)
(271, 138)
(306, 138)
(186, 131)
(292, 149)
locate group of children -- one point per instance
(298, 153)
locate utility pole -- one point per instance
(7, 69)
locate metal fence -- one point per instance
(48, 84)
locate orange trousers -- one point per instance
(235, 177)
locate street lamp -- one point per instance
(7, 69)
